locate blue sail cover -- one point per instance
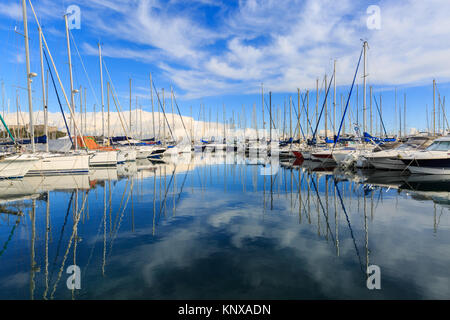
(369, 138)
(119, 138)
(41, 139)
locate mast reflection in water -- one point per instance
(223, 227)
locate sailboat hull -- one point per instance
(383, 163)
(103, 159)
(126, 155)
(51, 165)
(16, 167)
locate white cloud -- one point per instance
(11, 10)
(284, 44)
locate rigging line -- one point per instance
(73, 238)
(114, 93)
(298, 119)
(10, 236)
(62, 232)
(164, 112)
(93, 246)
(443, 111)
(270, 116)
(323, 209)
(348, 99)
(379, 113)
(84, 68)
(121, 217)
(179, 112)
(300, 190)
(165, 195)
(57, 96)
(321, 111)
(113, 230)
(349, 225)
(120, 118)
(182, 185)
(307, 117)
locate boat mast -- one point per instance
(95, 122)
(224, 122)
(171, 106)
(290, 117)
(317, 100)
(101, 86)
(364, 88)
(307, 114)
(81, 107)
(370, 106)
(434, 107)
(263, 123)
(326, 108)
(72, 91)
(381, 114)
(29, 74)
(140, 134)
(130, 107)
(17, 114)
(299, 113)
(404, 114)
(334, 99)
(44, 102)
(153, 110)
(107, 103)
(270, 116)
(164, 112)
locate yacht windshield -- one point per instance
(439, 146)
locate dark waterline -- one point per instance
(209, 230)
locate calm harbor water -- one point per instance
(225, 227)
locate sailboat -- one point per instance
(13, 166)
(50, 163)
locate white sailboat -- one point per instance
(59, 164)
(13, 166)
(102, 158)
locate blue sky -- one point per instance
(216, 53)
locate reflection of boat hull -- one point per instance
(178, 149)
(15, 190)
(298, 155)
(103, 174)
(427, 183)
(157, 153)
(58, 183)
(324, 157)
(383, 178)
(316, 165)
(127, 169)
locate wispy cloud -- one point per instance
(213, 47)
(11, 10)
